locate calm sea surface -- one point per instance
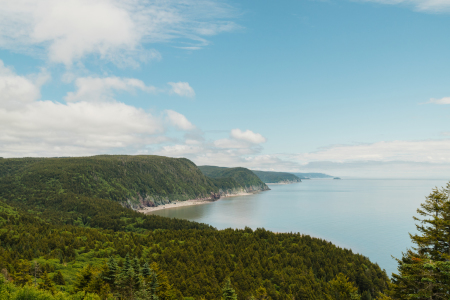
(372, 217)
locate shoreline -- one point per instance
(282, 183)
(175, 204)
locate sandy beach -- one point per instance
(176, 204)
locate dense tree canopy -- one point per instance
(59, 239)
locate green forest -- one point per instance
(276, 177)
(63, 236)
(246, 178)
(134, 181)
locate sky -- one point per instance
(348, 88)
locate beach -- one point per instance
(176, 204)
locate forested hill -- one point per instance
(312, 175)
(62, 226)
(137, 181)
(244, 179)
(80, 262)
(276, 177)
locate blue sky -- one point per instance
(351, 88)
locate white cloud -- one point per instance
(32, 127)
(432, 151)
(182, 89)
(248, 136)
(101, 89)
(178, 120)
(420, 5)
(117, 30)
(445, 100)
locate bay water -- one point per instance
(371, 217)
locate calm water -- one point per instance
(372, 217)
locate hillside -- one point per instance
(240, 179)
(312, 175)
(77, 260)
(276, 177)
(65, 218)
(135, 181)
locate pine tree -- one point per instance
(46, 284)
(228, 292)
(128, 282)
(342, 289)
(146, 271)
(109, 275)
(22, 273)
(84, 278)
(59, 278)
(136, 267)
(424, 271)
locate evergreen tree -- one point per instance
(84, 278)
(228, 292)
(59, 278)
(110, 273)
(342, 289)
(128, 281)
(136, 267)
(22, 274)
(434, 229)
(424, 271)
(47, 283)
(146, 271)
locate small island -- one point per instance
(337, 178)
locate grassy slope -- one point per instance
(275, 177)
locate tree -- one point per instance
(110, 273)
(424, 270)
(228, 292)
(342, 289)
(84, 278)
(146, 271)
(46, 284)
(128, 281)
(59, 278)
(22, 274)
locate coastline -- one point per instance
(282, 183)
(148, 210)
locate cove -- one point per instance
(371, 217)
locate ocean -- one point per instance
(371, 217)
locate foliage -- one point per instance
(424, 271)
(233, 178)
(276, 177)
(134, 180)
(63, 227)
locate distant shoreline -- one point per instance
(148, 210)
(281, 183)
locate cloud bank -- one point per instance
(419, 5)
(90, 122)
(115, 30)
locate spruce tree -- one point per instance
(136, 267)
(146, 271)
(59, 278)
(424, 270)
(84, 278)
(47, 283)
(128, 280)
(109, 275)
(228, 292)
